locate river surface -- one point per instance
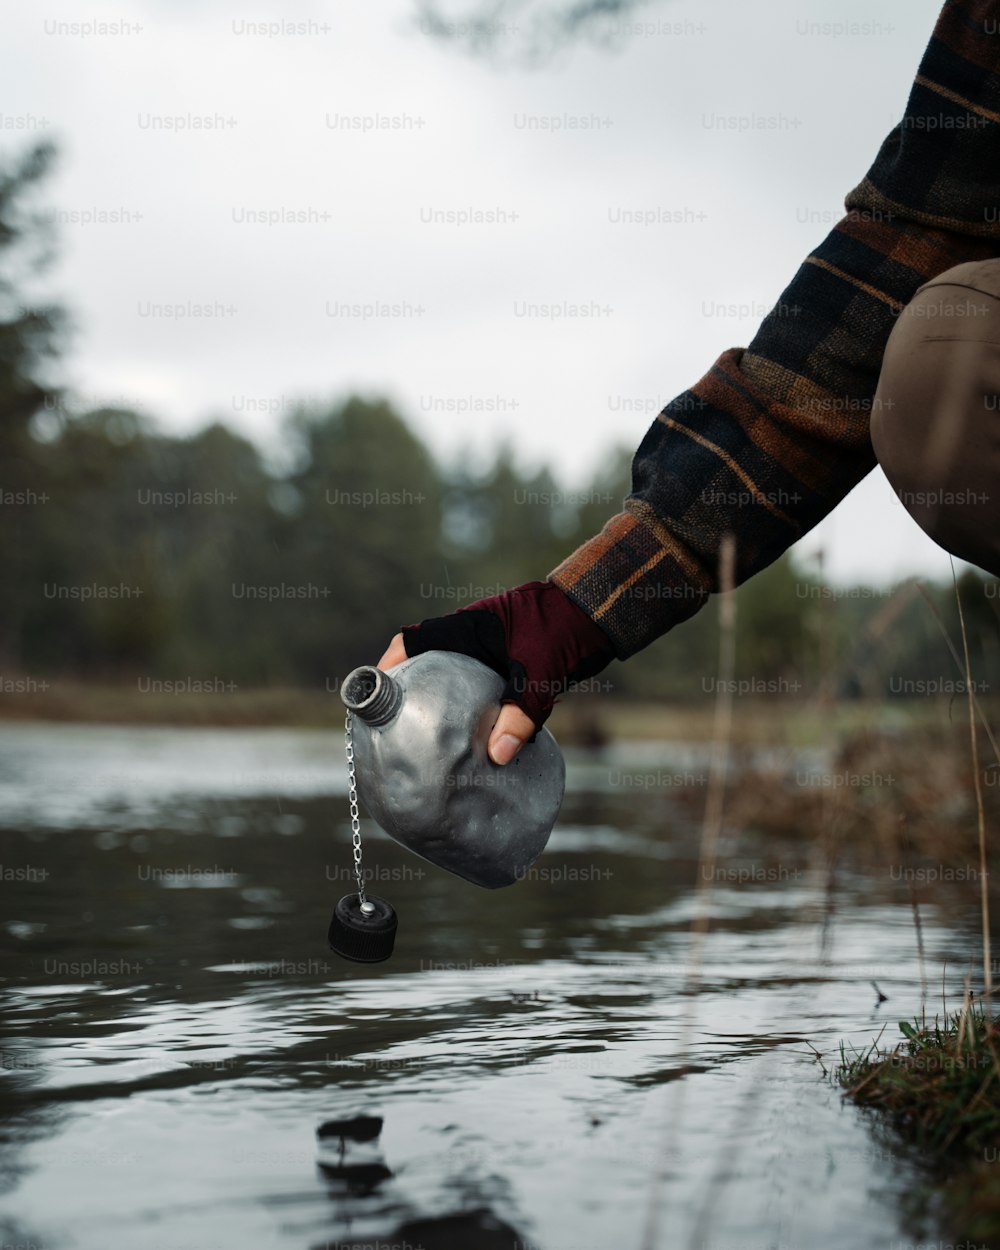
(561, 1065)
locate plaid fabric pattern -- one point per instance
(776, 434)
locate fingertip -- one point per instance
(503, 748)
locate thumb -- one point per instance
(510, 733)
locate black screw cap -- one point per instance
(367, 939)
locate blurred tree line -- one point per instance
(126, 552)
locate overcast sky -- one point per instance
(335, 169)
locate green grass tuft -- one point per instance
(940, 1085)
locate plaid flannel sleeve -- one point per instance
(776, 434)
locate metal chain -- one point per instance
(352, 792)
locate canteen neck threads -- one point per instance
(373, 695)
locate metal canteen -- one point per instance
(420, 736)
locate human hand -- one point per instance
(512, 729)
(533, 636)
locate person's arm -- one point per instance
(770, 440)
(774, 436)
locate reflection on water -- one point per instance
(187, 1065)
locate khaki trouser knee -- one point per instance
(936, 414)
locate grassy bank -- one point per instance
(939, 1090)
(59, 699)
(576, 719)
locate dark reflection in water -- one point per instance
(358, 1174)
(481, 1229)
(187, 1065)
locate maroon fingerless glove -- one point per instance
(535, 637)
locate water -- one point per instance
(183, 1057)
